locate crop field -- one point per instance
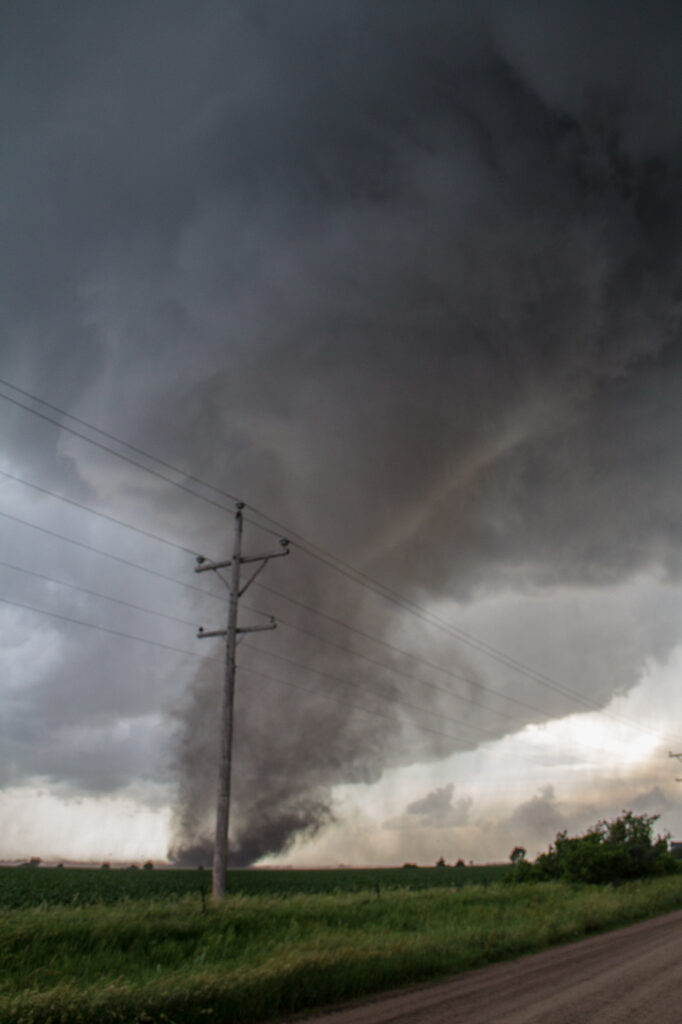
(261, 957)
(30, 887)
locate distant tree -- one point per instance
(460, 863)
(409, 865)
(610, 851)
(148, 866)
(440, 863)
(105, 866)
(518, 854)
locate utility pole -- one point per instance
(231, 633)
(679, 758)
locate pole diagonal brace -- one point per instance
(255, 573)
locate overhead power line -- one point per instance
(246, 668)
(326, 558)
(109, 555)
(391, 697)
(95, 593)
(383, 695)
(102, 629)
(172, 618)
(97, 512)
(111, 451)
(457, 676)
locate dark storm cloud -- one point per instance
(404, 275)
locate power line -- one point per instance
(452, 631)
(509, 699)
(491, 652)
(396, 671)
(94, 593)
(185, 622)
(399, 650)
(222, 600)
(186, 550)
(114, 558)
(194, 654)
(356, 576)
(96, 512)
(369, 711)
(112, 451)
(391, 698)
(102, 629)
(468, 680)
(382, 665)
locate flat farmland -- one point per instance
(175, 958)
(33, 886)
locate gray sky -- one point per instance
(406, 278)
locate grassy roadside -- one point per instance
(259, 957)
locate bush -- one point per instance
(610, 851)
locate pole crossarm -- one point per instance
(203, 633)
(267, 557)
(204, 566)
(678, 756)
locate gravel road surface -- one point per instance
(630, 975)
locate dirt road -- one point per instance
(634, 974)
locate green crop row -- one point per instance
(30, 887)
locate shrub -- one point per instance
(610, 851)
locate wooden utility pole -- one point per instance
(231, 633)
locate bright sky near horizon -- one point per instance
(407, 281)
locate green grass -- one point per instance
(266, 956)
(29, 887)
